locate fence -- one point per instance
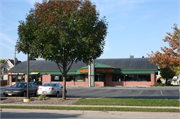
(3, 82)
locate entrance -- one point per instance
(36, 79)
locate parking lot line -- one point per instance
(114, 93)
(140, 92)
(161, 92)
(121, 91)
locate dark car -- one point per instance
(20, 89)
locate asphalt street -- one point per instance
(121, 92)
(69, 114)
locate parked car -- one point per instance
(50, 89)
(20, 89)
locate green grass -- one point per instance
(92, 108)
(129, 102)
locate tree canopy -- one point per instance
(166, 73)
(169, 56)
(64, 32)
(2, 60)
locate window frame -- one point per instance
(122, 80)
(60, 78)
(79, 79)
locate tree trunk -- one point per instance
(166, 81)
(64, 87)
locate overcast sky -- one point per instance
(136, 27)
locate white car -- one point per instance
(50, 89)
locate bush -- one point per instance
(158, 84)
(42, 97)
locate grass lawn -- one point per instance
(92, 108)
(129, 102)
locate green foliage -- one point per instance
(64, 32)
(26, 35)
(2, 60)
(166, 73)
(42, 97)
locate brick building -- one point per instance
(108, 72)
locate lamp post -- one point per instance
(27, 99)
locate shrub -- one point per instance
(42, 97)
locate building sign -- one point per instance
(21, 73)
(12, 73)
(15, 73)
(105, 70)
(34, 72)
(83, 71)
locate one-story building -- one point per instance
(108, 72)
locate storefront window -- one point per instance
(56, 78)
(144, 77)
(117, 78)
(14, 78)
(131, 77)
(80, 78)
(69, 78)
(17, 78)
(20, 79)
(99, 77)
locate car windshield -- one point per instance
(20, 85)
(49, 84)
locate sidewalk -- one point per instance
(160, 107)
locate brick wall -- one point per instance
(10, 80)
(99, 84)
(46, 79)
(153, 79)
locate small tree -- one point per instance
(67, 32)
(169, 56)
(166, 73)
(25, 41)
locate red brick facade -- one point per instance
(107, 82)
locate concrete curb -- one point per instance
(158, 107)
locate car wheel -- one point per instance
(57, 94)
(5, 95)
(25, 94)
(35, 94)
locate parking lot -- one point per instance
(122, 92)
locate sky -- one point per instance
(135, 27)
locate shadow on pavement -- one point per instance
(123, 97)
(36, 115)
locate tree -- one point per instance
(176, 70)
(68, 31)
(166, 73)
(2, 60)
(25, 41)
(169, 56)
(131, 56)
